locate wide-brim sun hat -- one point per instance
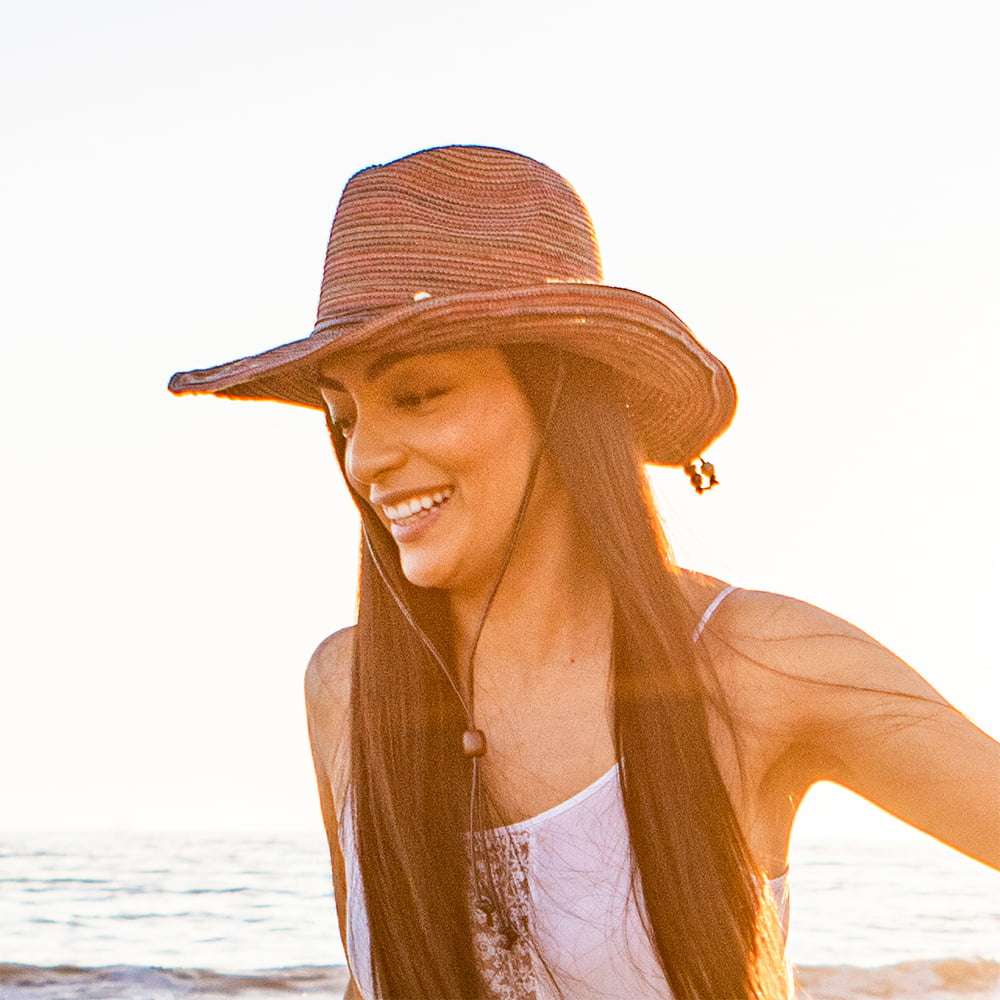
(469, 246)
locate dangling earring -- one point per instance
(701, 479)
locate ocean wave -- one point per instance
(944, 979)
(125, 982)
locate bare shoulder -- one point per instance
(761, 626)
(328, 698)
(804, 665)
(328, 678)
(803, 641)
(759, 622)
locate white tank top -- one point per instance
(571, 892)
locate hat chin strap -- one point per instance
(474, 743)
(473, 740)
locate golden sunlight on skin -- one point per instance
(441, 446)
(456, 425)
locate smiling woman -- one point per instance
(441, 445)
(550, 762)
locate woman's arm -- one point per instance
(327, 685)
(845, 709)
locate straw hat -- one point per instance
(468, 246)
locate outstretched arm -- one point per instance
(853, 713)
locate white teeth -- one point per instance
(407, 508)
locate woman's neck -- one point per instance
(553, 606)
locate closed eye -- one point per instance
(412, 400)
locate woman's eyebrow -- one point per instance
(377, 367)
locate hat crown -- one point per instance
(452, 220)
(465, 246)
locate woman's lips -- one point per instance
(409, 518)
(413, 505)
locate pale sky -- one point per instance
(811, 187)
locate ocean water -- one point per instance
(96, 916)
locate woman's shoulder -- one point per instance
(742, 616)
(328, 696)
(328, 676)
(797, 660)
(766, 645)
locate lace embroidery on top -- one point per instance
(500, 938)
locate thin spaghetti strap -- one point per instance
(710, 610)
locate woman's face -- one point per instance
(441, 445)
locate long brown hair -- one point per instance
(704, 908)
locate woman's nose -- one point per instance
(373, 450)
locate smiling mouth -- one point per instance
(407, 511)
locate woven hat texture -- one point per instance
(468, 246)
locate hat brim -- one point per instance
(679, 394)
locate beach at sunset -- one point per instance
(813, 189)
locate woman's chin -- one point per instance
(437, 575)
(425, 573)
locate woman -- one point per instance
(550, 762)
